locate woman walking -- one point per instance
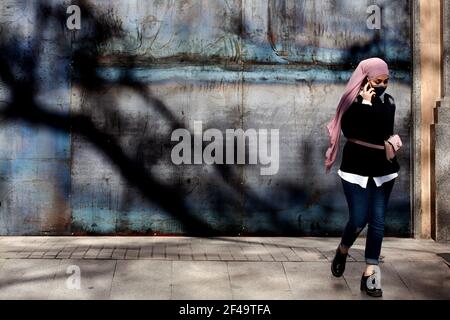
(366, 116)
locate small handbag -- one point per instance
(395, 142)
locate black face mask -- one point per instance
(379, 90)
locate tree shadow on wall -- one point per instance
(19, 71)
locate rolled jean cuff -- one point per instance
(372, 261)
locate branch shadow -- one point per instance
(85, 54)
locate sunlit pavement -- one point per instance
(213, 268)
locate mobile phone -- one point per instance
(365, 81)
(363, 84)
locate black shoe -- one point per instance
(338, 264)
(372, 284)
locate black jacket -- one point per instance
(372, 124)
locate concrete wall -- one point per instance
(137, 70)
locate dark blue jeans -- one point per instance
(366, 206)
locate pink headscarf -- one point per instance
(370, 68)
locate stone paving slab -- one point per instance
(213, 268)
(425, 279)
(27, 278)
(259, 280)
(201, 280)
(95, 280)
(314, 281)
(142, 279)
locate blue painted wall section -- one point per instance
(95, 158)
(34, 157)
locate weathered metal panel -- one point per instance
(34, 159)
(270, 64)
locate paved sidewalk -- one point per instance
(212, 268)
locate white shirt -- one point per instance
(362, 180)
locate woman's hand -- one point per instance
(367, 94)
